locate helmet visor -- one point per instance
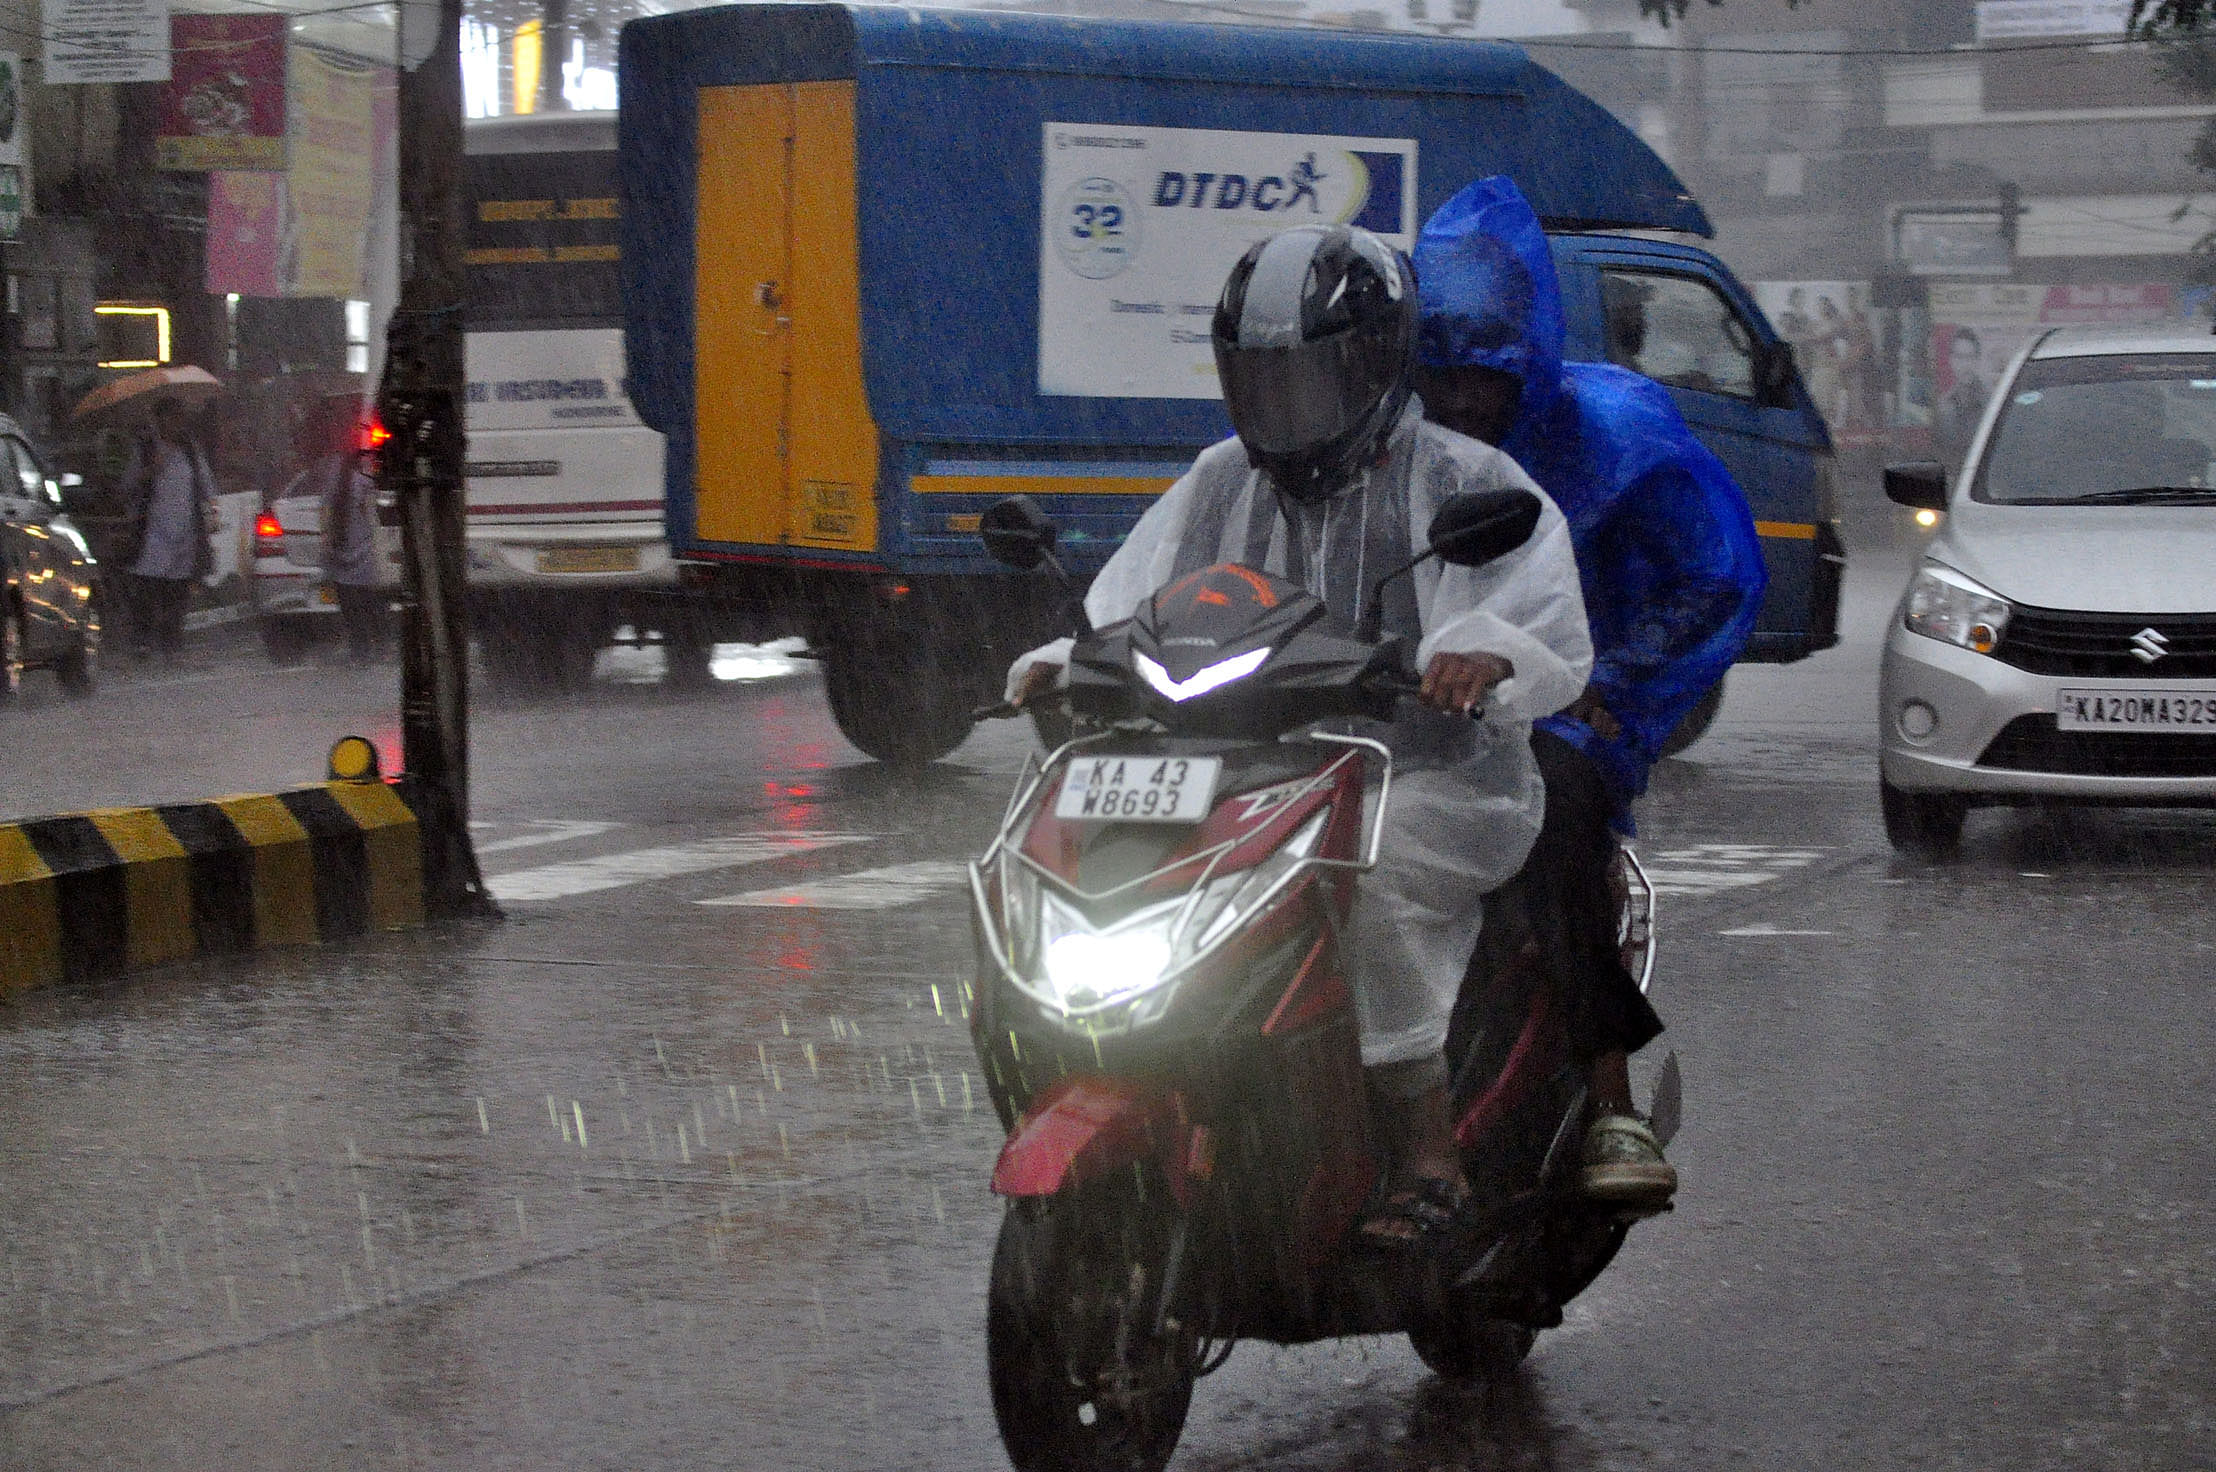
(1289, 400)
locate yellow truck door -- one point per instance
(786, 451)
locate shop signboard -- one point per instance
(246, 234)
(106, 40)
(224, 107)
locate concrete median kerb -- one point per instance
(98, 894)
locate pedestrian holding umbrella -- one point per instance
(171, 490)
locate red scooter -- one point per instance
(1167, 1032)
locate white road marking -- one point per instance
(1712, 868)
(550, 830)
(1762, 930)
(613, 871)
(872, 889)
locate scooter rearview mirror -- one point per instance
(1469, 530)
(1475, 527)
(1017, 533)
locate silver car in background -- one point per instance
(2057, 642)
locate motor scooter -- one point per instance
(1166, 1029)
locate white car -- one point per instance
(293, 605)
(2057, 642)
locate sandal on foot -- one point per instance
(1409, 1218)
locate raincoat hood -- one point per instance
(1489, 294)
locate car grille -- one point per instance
(2036, 744)
(2099, 645)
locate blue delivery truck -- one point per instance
(883, 267)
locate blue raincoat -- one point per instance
(1666, 547)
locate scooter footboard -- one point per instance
(1087, 1126)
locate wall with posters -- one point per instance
(1840, 346)
(1977, 328)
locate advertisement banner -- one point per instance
(106, 40)
(1139, 227)
(224, 107)
(246, 226)
(330, 182)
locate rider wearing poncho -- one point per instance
(1332, 481)
(1673, 578)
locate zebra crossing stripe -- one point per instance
(872, 889)
(637, 866)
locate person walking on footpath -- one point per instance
(175, 491)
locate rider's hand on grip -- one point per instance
(1458, 683)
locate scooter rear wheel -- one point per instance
(1081, 1380)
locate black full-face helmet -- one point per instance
(1313, 334)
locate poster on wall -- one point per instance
(224, 107)
(1836, 346)
(1139, 226)
(1977, 329)
(246, 227)
(105, 41)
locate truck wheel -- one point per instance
(1696, 722)
(904, 716)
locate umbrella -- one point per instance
(183, 384)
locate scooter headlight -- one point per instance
(1082, 969)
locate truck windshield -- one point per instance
(542, 241)
(2113, 429)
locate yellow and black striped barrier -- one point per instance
(95, 894)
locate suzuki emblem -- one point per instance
(2149, 645)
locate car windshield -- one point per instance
(2112, 429)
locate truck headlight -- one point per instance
(1945, 605)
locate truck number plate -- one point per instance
(589, 559)
(1139, 789)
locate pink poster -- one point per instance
(246, 225)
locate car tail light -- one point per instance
(269, 535)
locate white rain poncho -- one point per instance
(1466, 797)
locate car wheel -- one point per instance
(79, 670)
(1926, 824)
(286, 640)
(11, 656)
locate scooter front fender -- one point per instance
(1087, 1126)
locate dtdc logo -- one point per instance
(1373, 193)
(1269, 194)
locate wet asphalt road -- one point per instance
(683, 1165)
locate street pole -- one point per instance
(420, 402)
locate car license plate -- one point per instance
(589, 559)
(2136, 710)
(1139, 789)
(328, 593)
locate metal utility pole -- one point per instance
(420, 471)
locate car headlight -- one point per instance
(1943, 604)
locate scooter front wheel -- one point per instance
(1466, 1349)
(1089, 1373)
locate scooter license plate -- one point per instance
(1139, 789)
